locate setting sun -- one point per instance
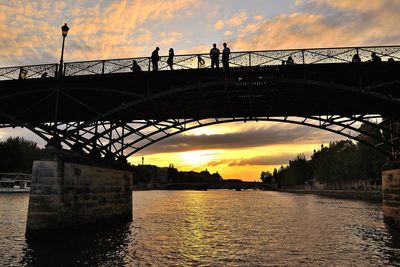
(196, 158)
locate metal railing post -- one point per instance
(102, 67)
(57, 70)
(249, 59)
(149, 63)
(303, 57)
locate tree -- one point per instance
(18, 154)
(266, 177)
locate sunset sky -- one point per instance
(101, 29)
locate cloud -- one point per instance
(251, 137)
(258, 18)
(267, 160)
(237, 19)
(131, 28)
(326, 23)
(170, 38)
(103, 29)
(219, 25)
(228, 33)
(233, 21)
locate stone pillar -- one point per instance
(391, 192)
(69, 192)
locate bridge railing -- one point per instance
(196, 61)
(237, 59)
(28, 72)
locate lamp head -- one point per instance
(64, 30)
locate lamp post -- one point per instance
(64, 32)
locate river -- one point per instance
(214, 228)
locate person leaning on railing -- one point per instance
(356, 59)
(375, 58)
(290, 61)
(135, 66)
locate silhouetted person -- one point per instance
(225, 56)
(214, 55)
(44, 75)
(290, 61)
(155, 58)
(356, 59)
(135, 66)
(391, 59)
(170, 60)
(375, 58)
(22, 73)
(201, 61)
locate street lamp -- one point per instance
(64, 32)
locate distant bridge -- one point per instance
(102, 108)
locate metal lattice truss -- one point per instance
(195, 61)
(123, 139)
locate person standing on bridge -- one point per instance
(214, 55)
(170, 60)
(155, 58)
(225, 57)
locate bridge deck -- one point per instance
(322, 89)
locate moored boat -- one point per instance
(15, 182)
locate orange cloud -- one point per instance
(344, 23)
(31, 30)
(234, 21)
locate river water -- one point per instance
(214, 228)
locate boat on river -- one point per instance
(15, 182)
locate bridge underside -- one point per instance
(119, 114)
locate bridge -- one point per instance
(103, 109)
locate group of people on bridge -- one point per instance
(214, 56)
(215, 59)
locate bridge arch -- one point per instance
(107, 132)
(122, 137)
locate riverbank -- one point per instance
(375, 196)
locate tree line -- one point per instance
(340, 165)
(18, 154)
(341, 162)
(334, 166)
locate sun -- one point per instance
(196, 158)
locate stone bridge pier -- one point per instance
(69, 190)
(391, 192)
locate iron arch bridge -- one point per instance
(104, 109)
